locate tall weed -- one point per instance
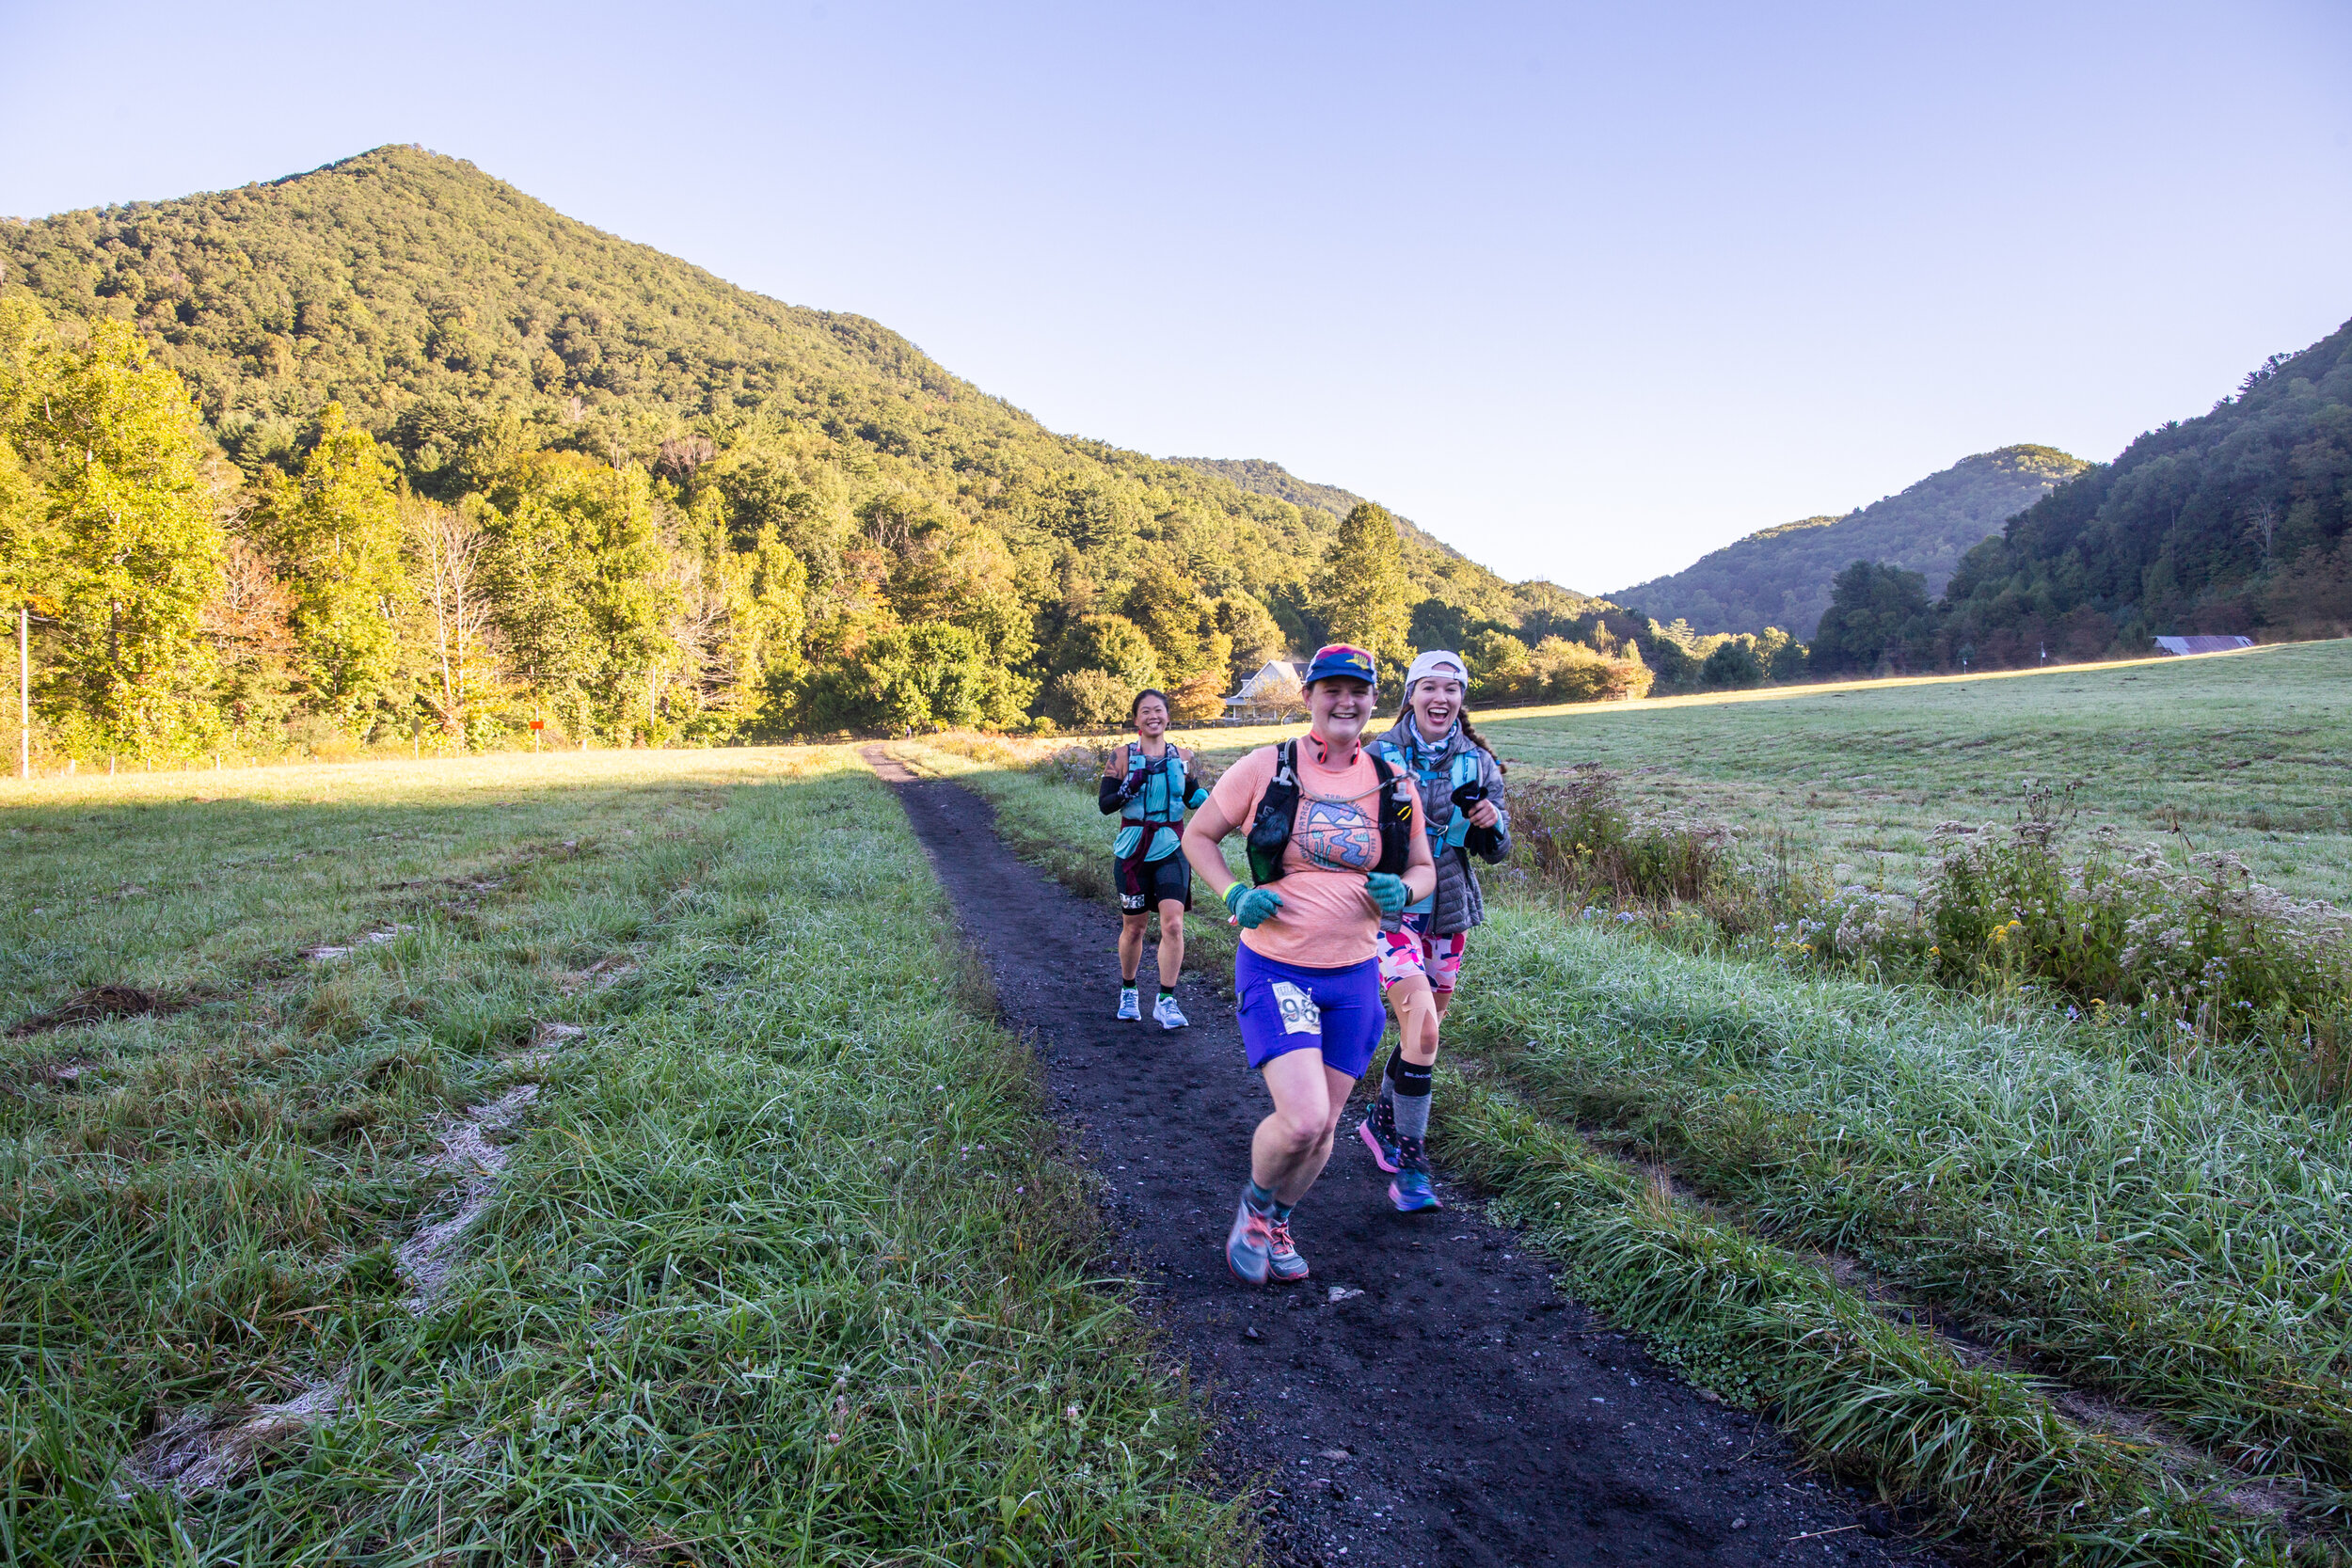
(1581, 839)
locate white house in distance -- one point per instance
(1271, 695)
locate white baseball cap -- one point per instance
(1437, 661)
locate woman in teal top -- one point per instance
(1149, 785)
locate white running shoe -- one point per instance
(1170, 1016)
(1129, 1007)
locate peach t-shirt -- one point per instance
(1327, 921)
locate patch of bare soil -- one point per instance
(93, 1006)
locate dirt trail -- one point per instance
(1452, 1407)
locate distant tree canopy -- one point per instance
(113, 532)
(1879, 622)
(1781, 577)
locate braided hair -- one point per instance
(1480, 741)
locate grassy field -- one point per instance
(2004, 1262)
(591, 1158)
(2251, 753)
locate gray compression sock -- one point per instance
(1413, 1100)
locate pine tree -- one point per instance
(1362, 594)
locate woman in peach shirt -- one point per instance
(1335, 843)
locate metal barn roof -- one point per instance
(2203, 644)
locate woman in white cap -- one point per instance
(1420, 959)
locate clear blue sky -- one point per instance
(1587, 288)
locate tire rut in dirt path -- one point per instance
(1457, 1410)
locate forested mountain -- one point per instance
(2233, 521)
(1259, 477)
(1781, 577)
(694, 511)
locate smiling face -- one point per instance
(1150, 718)
(1437, 701)
(1340, 707)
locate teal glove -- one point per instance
(1388, 891)
(1253, 905)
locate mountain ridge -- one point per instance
(1781, 575)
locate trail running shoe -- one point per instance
(1411, 1192)
(1128, 1007)
(1282, 1260)
(1168, 1014)
(1379, 1130)
(1249, 1244)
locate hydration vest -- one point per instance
(1278, 812)
(1157, 809)
(1464, 778)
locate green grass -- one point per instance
(2152, 1229)
(778, 1269)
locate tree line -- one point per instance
(183, 604)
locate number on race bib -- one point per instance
(1300, 1016)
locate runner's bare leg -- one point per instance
(1291, 1147)
(1130, 946)
(1172, 941)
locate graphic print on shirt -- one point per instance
(1336, 836)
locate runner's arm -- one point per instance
(1204, 833)
(1496, 814)
(1421, 871)
(1198, 793)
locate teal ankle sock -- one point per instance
(1281, 1212)
(1259, 1198)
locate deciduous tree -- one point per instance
(335, 528)
(131, 541)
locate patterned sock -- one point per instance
(1412, 1100)
(1388, 1078)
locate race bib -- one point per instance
(1300, 1016)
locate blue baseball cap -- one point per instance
(1341, 658)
